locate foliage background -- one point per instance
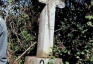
(73, 31)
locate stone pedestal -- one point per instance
(37, 60)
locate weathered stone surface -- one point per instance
(46, 27)
(59, 3)
(37, 60)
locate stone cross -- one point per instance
(46, 27)
(46, 34)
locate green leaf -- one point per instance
(10, 1)
(77, 57)
(70, 35)
(84, 31)
(82, 53)
(20, 62)
(91, 2)
(78, 53)
(52, 57)
(91, 41)
(89, 23)
(66, 62)
(89, 17)
(91, 59)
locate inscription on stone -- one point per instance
(41, 62)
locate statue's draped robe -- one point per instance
(3, 41)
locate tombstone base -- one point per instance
(37, 60)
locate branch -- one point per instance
(58, 30)
(19, 57)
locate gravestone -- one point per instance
(46, 33)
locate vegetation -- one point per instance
(73, 31)
(75, 36)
